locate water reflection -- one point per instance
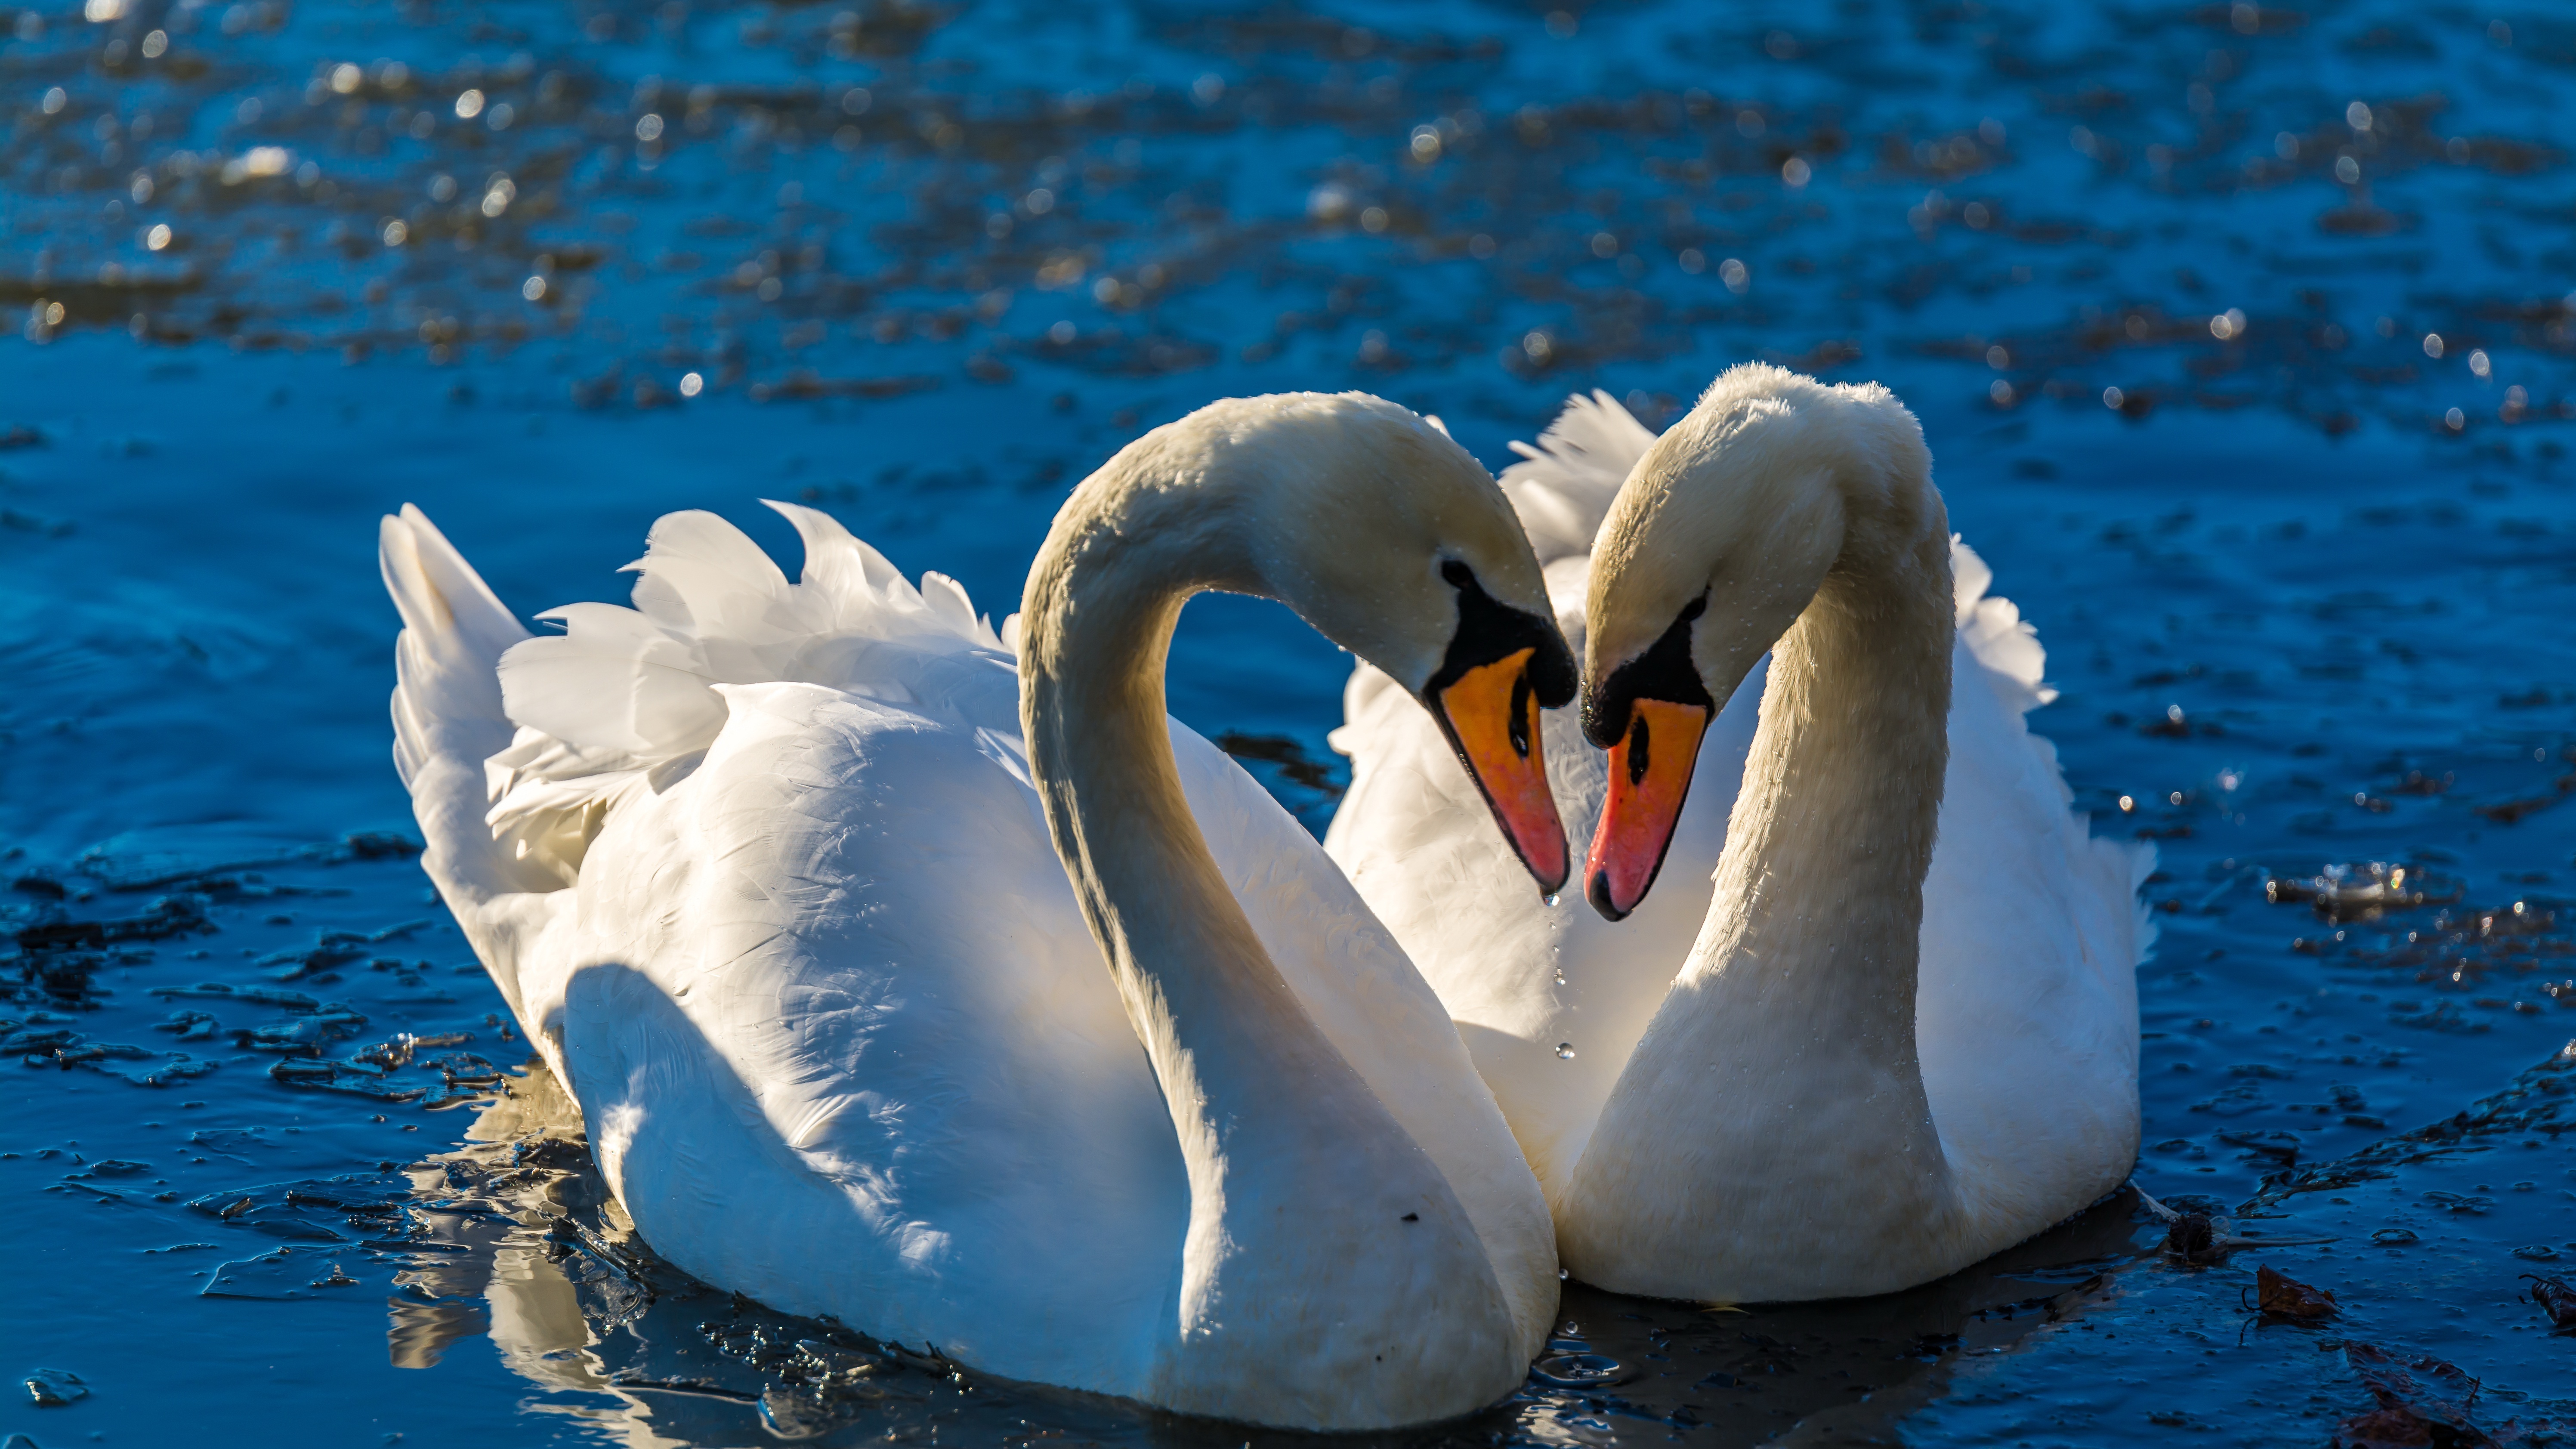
(516, 1238)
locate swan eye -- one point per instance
(1489, 629)
(1524, 715)
(1663, 672)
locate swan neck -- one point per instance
(1832, 835)
(1096, 630)
(1310, 1206)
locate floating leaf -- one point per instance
(2424, 1401)
(2279, 1293)
(2555, 1299)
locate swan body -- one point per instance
(804, 890)
(1830, 1124)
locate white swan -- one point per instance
(776, 877)
(1783, 1100)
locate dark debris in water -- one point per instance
(2518, 948)
(2278, 1294)
(400, 1050)
(2194, 1238)
(316, 1076)
(2424, 1400)
(1287, 756)
(59, 955)
(2539, 1105)
(2554, 1298)
(240, 874)
(2362, 892)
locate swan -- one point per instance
(1840, 1052)
(806, 891)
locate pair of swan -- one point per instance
(776, 876)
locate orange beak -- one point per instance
(1490, 714)
(1650, 775)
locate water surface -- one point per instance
(2241, 336)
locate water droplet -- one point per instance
(1565, 1049)
(1553, 897)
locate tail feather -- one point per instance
(711, 609)
(447, 708)
(2119, 934)
(855, 591)
(701, 576)
(615, 679)
(627, 699)
(515, 747)
(448, 699)
(837, 560)
(948, 602)
(2003, 642)
(1563, 485)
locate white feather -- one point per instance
(1562, 487)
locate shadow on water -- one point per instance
(515, 1235)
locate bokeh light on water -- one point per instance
(2241, 334)
(2212, 207)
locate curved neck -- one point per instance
(1213, 1012)
(1096, 627)
(1821, 881)
(1788, 1039)
(1300, 1180)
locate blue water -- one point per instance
(2304, 614)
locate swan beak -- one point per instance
(1650, 775)
(1490, 714)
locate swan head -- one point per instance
(1391, 540)
(1718, 541)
